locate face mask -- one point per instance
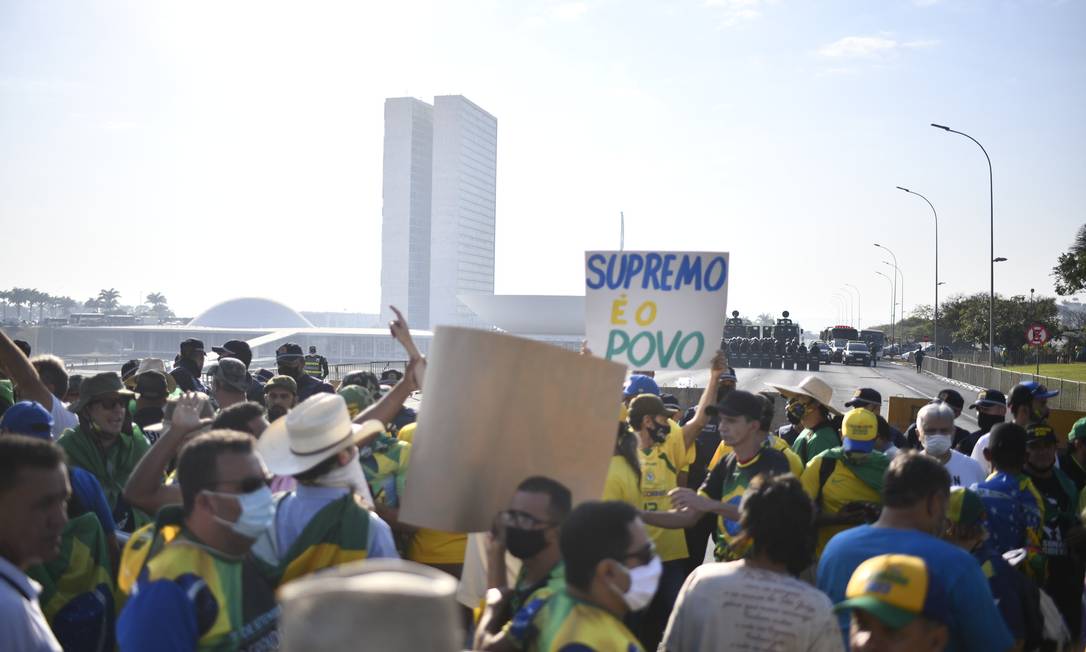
(257, 512)
(284, 370)
(524, 544)
(349, 476)
(988, 421)
(936, 445)
(643, 583)
(659, 432)
(796, 411)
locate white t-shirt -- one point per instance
(978, 452)
(964, 471)
(22, 623)
(731, 606)
(62, 418)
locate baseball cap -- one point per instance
(739, 403)
(671, 403)
(151, 384)
(235, 349)
(859, 429)
(358, 398)
(287, 351)
(639, 384)
(865, 396)
(1009, 437)
(1078, 430)
(645, 405)
(192, 345)
(896, 589)
(729, 375)
(1039, 432)
(1023, 393)
(27, 418)
(964, 506)
(231, 372)
(284, 382)
(987, 397)
(952, 398)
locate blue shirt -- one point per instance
(297, 508)
(86, 488)
(975, 623)
(1011, 511)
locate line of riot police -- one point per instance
(770, 353)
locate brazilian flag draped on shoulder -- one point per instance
(868, 467)
(112, 468)
(78, 596)
(337, 534)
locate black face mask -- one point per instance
(659, 432)
(988, 421)
(293, 372)
(524, 544)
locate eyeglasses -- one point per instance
(522, 520)
(110, 403)
(643, 556)
(247, 485)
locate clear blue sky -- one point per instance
(214, 149)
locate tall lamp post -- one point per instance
(847, 300)
(899, 295)
(893, 306)
(900, 289)
(991, 251)
(935, 321)
(859, 318)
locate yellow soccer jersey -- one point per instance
(659, 475)
(841, 488)
(622, 484)
(407, 433)
(564, 623)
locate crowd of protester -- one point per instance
(166, 509)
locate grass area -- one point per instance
(1072, 371)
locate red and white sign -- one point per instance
(1036, 334)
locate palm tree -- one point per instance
(40, 298)
(109, 299)
(92, 304)
(155, 298)
(765, 319)
(66, 305)
(20, 297)
(5, 299)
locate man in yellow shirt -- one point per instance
(846, 482)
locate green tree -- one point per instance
(966, 317)
(109, 299)
(1070, 269)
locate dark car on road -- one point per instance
(857, 353)
(825, 353)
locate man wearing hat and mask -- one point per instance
(291, 362)
(152, 386)
(810, 403)
(845, 482)
(991, 407)
(1064, 539)
(240, 350)
(325, 521)
(198, 587)
(106, 443)
(189, 366)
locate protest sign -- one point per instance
(655, 309)
(498, 410)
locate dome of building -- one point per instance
(250, 312)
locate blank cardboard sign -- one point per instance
(498, 410)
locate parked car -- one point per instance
(825, 353)
(856, 353)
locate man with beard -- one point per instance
(529, 530)
(189, 365)
(1064, 538)
(280, 395)
(291, 362)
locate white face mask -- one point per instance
(349, 476)
(257, 512)
(936, 445)
(643, 583)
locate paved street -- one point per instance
(888, 379)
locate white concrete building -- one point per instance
(440, 178)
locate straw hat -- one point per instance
(314, 430)
(812, 387)
(379, 602)
(152, 364)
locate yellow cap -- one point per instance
(895, 589)
(860, 425)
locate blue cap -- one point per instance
(28, 418)
(1037, 390)
(638, 384)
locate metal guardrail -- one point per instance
(1072, 394)
(338, 371)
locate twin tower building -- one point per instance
(437, 237)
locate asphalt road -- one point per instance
(888, 379)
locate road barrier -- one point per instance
(1072, 394)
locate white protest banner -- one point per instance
(656, 309)
(499, 409)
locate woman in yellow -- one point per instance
(624, 474)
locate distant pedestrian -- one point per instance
(919, 359)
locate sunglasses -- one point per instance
(110, 403)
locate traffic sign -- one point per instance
(1036, 334)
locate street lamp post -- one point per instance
(893, 302)
(859, 318)
(847, 301)
(935, 320)
(898, 295)
(991, 250)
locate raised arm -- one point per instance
(23, 374)
(145, 489)
(708, 395)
